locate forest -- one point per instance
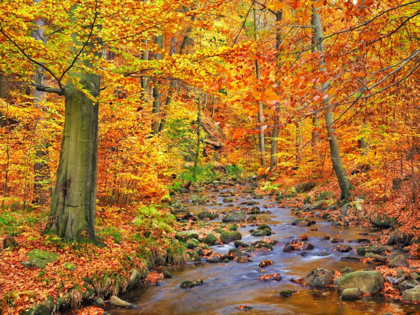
(209, 157)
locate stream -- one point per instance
(228, 285)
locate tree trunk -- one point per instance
(276, 120)
(41, 168)
(328, 112)
(73, 201)
(261, 137)
(156, 91)
(4, 95)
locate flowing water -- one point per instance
(228, 285)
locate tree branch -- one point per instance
(50, 89)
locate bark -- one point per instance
(42, 189)
(197, 151)
(3, 95)
(276, 120)
(261, 137)
(156, 91)
(73, 201)
(328, 112)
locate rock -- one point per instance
(344, 270)
(208, 215)
(99, 302)
(337, 239)
(199, 251)
(191, 284)
(361, 251)
(252, 218)
(254, 210)
(192, 243)
(304, 187)
(69, 266)
(367, 281)
(39, 259)
(244, 308)
(233, 227)
(197, 199)
(250, 203)
(398, 261)
(287, 248)
(302, 222)
(243, 260)
(193, 257)
(134, 277)
(318, 205)
(376, 257)
(325, 216)
(261, 232)
(351, 294)
(116, 301)
(343, 248)
(345, 210)
(241, 244)
(227, 237)
(416, 276)
(382, 222)
(186, 235)
(228, 200)
(237, 253)
(350, 258)
(7, 242)
(260, 245)
(287, 293)
(213, 260)
(210, 239)
(233, 217)
(265, 263)
(407, 284)
(167, 274)
(319, 278)
(412, 295)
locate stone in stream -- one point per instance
(199, 251)
(262, 245)
(167, 274)
(241, 244)
(208, 215)
(116, 301)
(213, 260)
(193, 256)
(319, 278)
(376, 257)
(343, 248)
(228, 200)
(265, 263)
(370, 249)
(337, 239)
(407, 284)
(287, 293)
(233, 217)
(192, 243)
(351, 294)
(367, 281)
(191, 284)
(237, 253)
(398, 261)
(231, 236)
(350, 258)
(252, 218)
(302, 222)
(344, 270)
(243, 260)
(99, 302)
(412, 295)
(254, 210)
(210, 239)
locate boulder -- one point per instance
(343, 248)
(319, 278)
(99, 302)
(191, 284)
(210, 239)
(186, 235)
(228, 200)
(367, 281)
(318, 205)
(116, 301)
(192, 243)
(351, 294)
(412, 295)
(39, 258)
(287, 293)
(336, 239)
(302, 222)
(241, 244)
(233, 217)
(370, 249)
(208, 215)
(167, 274)
(254, 210)
(231, 236)
(304, 187)
(398, 261)
(244, 260)
(407, 284)
(376, 257)
(344, 270)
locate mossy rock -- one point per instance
(398, 261)
(233, 217)
(208, 215)
(69, 266)
(325, 195)
(192, 243)
(47, 307)
(257, 196)
(233, 227)
(227, 237)
(39, 259)
(167, 274)
(412, 295)
(241, 244)
(345, 270)
(325, 216)
(319, 204)
(304, 187)
(191, 284)
(201, 200)
(265, 232)
(193, 257)
(210, 239)
(367, 281)
(287, 293)
(186, 235)
(228, 200)
(361, 251)
(383, 222)
(261, 245)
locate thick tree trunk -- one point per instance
(5, 120)
(74, 197)
(73, 201)
(328, 113)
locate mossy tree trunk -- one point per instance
(328, 111)
(73, 201)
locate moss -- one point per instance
(39, 258)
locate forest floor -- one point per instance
(73, 273)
